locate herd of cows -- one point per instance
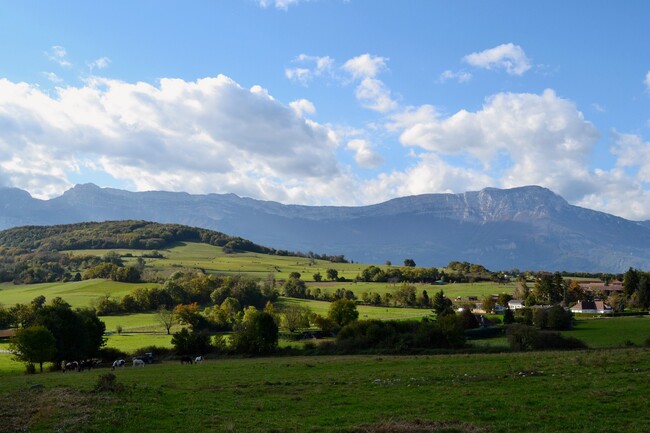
(138, 361)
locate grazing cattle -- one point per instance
(74, 365)
(186, 360)
(198, 359)
(137, 362)
(118, 363)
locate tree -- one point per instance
(332, 274)
(295, 316)
(256, 335)
(188, 342)
(630, 281)
(78, 333)
(488, 304)
(503, 299)
(188, 315)
(343, 311)
(318, 277)
(410, 263)
(295, 287)
(166, 317)
(34, 345)
(441, 304)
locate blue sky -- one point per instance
(329, 101)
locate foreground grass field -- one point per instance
(527, 392)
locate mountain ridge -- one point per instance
(526, 227)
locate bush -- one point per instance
(189, 343)
(256, 336)
(524, 337)
(108, 383)
(111, 353)
(401, 336)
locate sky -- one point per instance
(329, 102)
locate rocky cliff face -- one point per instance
(528, 227)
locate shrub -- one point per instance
(257, 335)
(108, 383)
(524, 337)
(521, 337)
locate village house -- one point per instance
(594, 307)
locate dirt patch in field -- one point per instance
(66, 410)
(419, 426)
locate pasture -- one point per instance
(523, 392)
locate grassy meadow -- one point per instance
(523, 392)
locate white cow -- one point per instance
(198, 359)
(138, 362)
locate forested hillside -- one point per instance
(119, 234)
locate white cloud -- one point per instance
(522, 139)
(365, 66)
(210, 135)
(373, 94)
(58, 54)
(647, 81)
(510, 57)
(311, 66)
(279, 4)
(460, 76)
(302, 107)
(100, 63)
(365, 156)
(430, 174)
(53, 77)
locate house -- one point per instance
(516, 304)
(601, 288)
(594, 307)
(6, 334)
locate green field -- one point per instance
(528, 392)
(76, 293)
(612, 331)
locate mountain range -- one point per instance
(529, 228)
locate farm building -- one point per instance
(597, 307)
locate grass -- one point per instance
(526, 392)
(76, 293)
(612, 331)
(365, 311)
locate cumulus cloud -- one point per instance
(510, 57)
(523, 139)
(364, 155)
(53, 77)
(210, 135)
(278, 4)
(310, 67)
(365, 66)
(371, 92)
(429, 174)
(459, 76)
(100, 63)
(58, 54)
(302, 107)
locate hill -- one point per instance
(527, 228)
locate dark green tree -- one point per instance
(343, 311)
(257, 335)
(187, 342)
(34, 345)
(441, 304)
(332, 274)
(410, 263)
(630, 282)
